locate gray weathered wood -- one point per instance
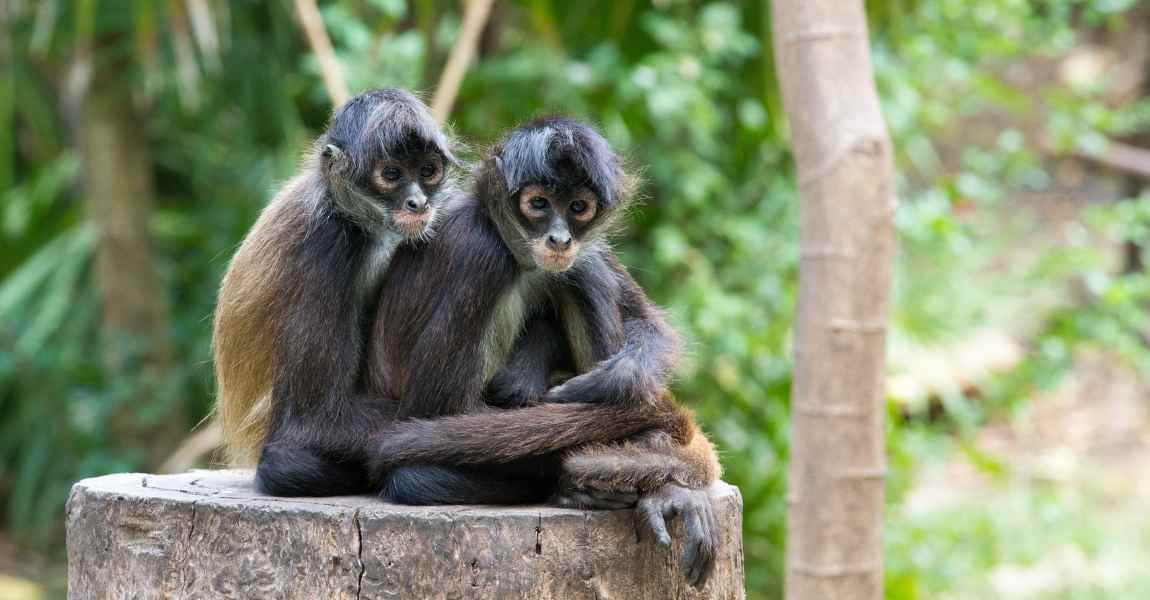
(208, 534)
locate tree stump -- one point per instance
(209, 534)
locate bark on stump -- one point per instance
(209, 534)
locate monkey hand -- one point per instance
(603, 385)
(694, 506)
(507, 391)
(618, 380)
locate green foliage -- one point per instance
(687, 90)
(1013, 535)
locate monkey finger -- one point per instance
(698, 562)
(693, 527)
(652, 515)
(698, 558)
(702, 565)
(705, 565)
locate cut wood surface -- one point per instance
(209, 534)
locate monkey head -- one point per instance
(386, 162)
(553, 186)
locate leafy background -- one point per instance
(1007, 226)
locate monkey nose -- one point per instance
(415, 205)
(561, 243)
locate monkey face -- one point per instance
(554, 186)
(555, 220)
(408, 187)
(384, 158)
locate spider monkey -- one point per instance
(291, 333)
(521, 273)
(297, 301)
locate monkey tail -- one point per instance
(501, 436)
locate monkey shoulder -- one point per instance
(471, 239)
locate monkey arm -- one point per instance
(539, 352)
(639, 349)
(669, 473)
(318, 423)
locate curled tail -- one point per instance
(501, 436)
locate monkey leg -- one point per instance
(297, 470)
(641, 464)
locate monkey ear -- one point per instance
(332, 157)
(503, 173)
(491, 178)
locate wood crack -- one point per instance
(192, 528)
(539, 535)
(358, 553)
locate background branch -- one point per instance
(329, 67)
(474, 18)
(1121, 156)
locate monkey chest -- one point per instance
(522, 301)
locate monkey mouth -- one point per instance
(413, 224)
(554, 262)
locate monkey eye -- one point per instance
(392, 174)
(583, 206)
(428, 170)
(534, 202)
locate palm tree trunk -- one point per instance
(845, 179)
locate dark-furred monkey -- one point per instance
(520, 284)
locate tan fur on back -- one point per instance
(248, 312)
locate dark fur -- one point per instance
(628, 349)
(441, 297)
(313, 384)
(431, 437)
(299, 298)
(435, 300)
(540, 152)
(383, 124)
(615, 339)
